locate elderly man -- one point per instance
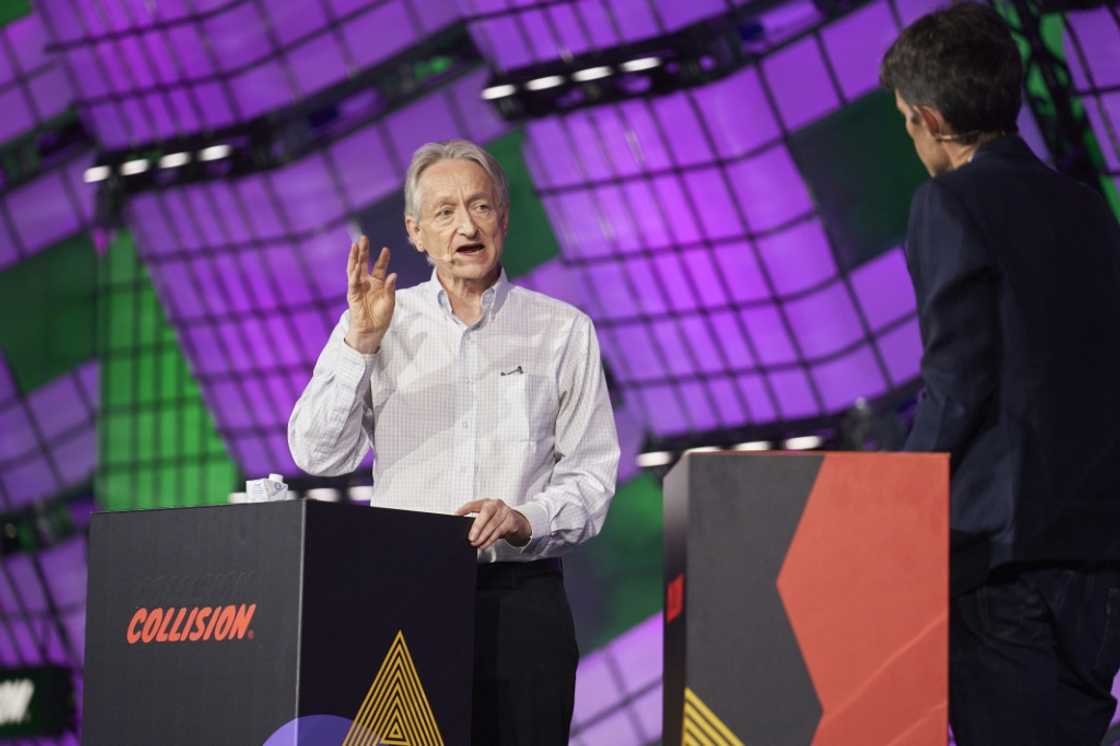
(1017, 274)
(479, 397)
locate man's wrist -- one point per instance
(365, 344)
(524, 533)
(536, 513)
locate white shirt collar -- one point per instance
(492, 298)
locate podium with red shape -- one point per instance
(807, 599)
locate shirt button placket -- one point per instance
(462, 412)
(472, 375)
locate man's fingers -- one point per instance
(505, 528)
(471, 507)
(481, 523)
(352, 264)
(492, 532)
(382, 263)
(494, 520)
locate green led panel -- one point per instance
(47, 304)
(622, 566)
(868, 138)
(159, 446)
(10, 10)
(531, 240)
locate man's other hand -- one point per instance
(496, 520)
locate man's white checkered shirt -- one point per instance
(514, 407)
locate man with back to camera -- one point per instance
(483, 398)
(1016, 269)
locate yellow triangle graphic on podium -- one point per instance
(395, 711)
(702, 727)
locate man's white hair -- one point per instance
(466, 150)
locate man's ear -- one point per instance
(932, 120)
(412, 228)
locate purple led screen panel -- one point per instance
(618, 690)
(48, 444)
(692, 238)
(33, 84)
(144, 72)
(1092, 46)
(252, 271)
(48, 439)
(42, 616)
(55, 205)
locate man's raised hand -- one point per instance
(371, 297)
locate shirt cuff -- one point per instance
(350, 366)
(537, 515)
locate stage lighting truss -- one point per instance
(280, 137)
(698, 53)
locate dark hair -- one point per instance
(963, 62)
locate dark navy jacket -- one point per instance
(1017, 274)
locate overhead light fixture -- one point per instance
(214, 153)
(498, 91)
(174, 160)
(753, 445)
(803, 443)
(641, 63)
(591, 73)
(703, 449)
(654, 458)
(138, 166)
(543, 84)
(95, 174)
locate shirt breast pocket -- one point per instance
(527, 411)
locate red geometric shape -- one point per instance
(674, 598)
(865, 585)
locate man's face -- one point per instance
(460, 227)
(931, 152)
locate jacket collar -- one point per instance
(1007, 146)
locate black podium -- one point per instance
(294, 623)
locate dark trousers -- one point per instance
(525, 656)
(1032, 656)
